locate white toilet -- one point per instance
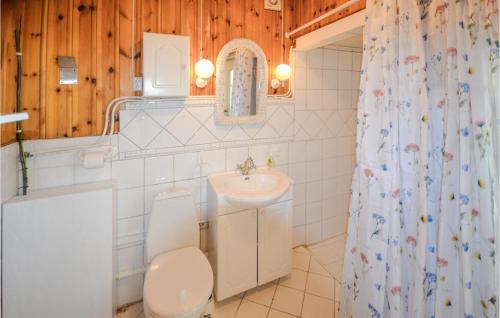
(179, 279)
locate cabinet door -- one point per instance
(236, 253)
(275, 241)
(165, 65)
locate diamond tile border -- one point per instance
(141, 129)
(186, 123)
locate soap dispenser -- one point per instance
(270, 161)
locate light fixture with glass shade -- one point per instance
(282, 72)
(204, 68)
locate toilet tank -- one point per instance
(173, 223)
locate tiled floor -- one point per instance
(311, 291)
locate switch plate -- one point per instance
(67, 70)
(137, 84)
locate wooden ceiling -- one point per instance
(99, 33)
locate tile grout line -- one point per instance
(239, 305)
(334, 280)
(274, 295)
(296, 289)
(305, 287)
(275, 291)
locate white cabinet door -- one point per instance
(275, 241)
(236, 253)
(165, 65)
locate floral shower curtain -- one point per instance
(421, 235)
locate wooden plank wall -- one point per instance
(99, 33)
(85, 29)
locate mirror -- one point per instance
(241, 83)
(240, 98)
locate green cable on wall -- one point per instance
(19, 125)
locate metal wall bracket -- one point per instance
(203, 225)
(67, 70)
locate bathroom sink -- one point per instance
(256, 190)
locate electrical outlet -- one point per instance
(137, 83)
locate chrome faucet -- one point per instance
(247, 166)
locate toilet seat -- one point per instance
(177, 284)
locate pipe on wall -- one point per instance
(321, 17)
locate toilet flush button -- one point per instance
(184, 293)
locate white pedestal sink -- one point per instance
(256, 190)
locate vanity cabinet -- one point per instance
(274, 241)
(248, 247)
(237, 260)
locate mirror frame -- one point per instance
(262, 78)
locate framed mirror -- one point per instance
(241, 92)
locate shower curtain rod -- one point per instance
(321, 17)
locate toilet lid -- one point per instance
(177, 282)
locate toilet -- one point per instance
(179, 279)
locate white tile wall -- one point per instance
(179, 145)
(129, 289)
(322, 162)
(143, 168)
(212, 161)
(8, 172)
(159, 169)
(128, 173)
(130, 202)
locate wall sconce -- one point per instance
(282, 73)
(204, 69)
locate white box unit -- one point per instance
(165, 65)
(58, 253)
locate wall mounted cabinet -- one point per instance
(165, 65)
